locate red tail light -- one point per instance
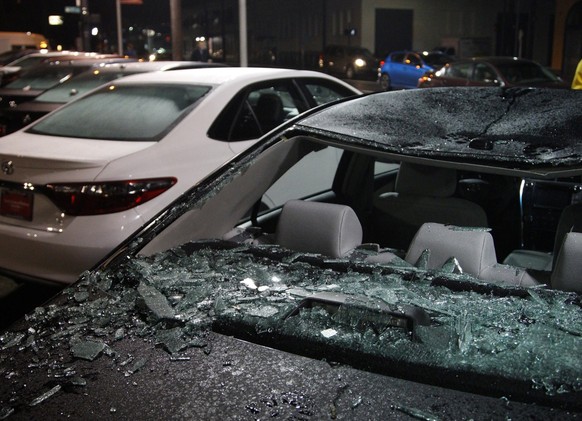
(79, 199)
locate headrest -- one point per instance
(314, 227)
(423, 180)
(269, 107)
(473, 248)
(566, 274)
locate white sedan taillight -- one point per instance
(79, 199)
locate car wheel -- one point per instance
(385, 82)
(350, 73)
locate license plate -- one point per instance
(15, 204)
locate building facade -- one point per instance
(293, 33)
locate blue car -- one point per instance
(402, 69)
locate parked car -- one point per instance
(577, 78)
(350, 62)
(9, 56)
(401, 69)
(38, 79)
(24, 113)
(14, 69)
(106, 163)
(223, 308)
(493, 71)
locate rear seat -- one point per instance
(567, 273)
(422, 194)
(335, 231)
(473, 248)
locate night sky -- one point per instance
(32, 15)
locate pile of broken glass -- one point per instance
(404, 316)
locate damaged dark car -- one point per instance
(402, 255)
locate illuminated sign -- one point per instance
(55, 20)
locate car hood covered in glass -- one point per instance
(473, 125)
(441, 328)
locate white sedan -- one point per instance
(81, 180)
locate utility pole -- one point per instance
(176, 23)
(242, 24)
(119, 30)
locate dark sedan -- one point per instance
(349, 62)
(493, 71)
(351, 265)
(37, 79)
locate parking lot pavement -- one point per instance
(18, 299)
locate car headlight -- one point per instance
(359, 62)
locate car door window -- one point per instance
(459, 70)
(312, 175)
(413, 60)
(322, 93)
(257, 110)
(484, 73)
(397, 58)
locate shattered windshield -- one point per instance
(323, 242)
(260, 291)
(420, 325)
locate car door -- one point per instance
(413, 68)
(396, 69)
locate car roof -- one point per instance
(149, 66)
(500, 59)
(57, 54)
(219, 76)
(494, 132)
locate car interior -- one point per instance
(497, 228)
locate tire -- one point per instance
(385, 81)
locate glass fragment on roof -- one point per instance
(482, 124)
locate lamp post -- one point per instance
(242, 23)
(119, 31)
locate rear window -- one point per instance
(77, 86)
(41, 79)
(122, 113)
(526, 72)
